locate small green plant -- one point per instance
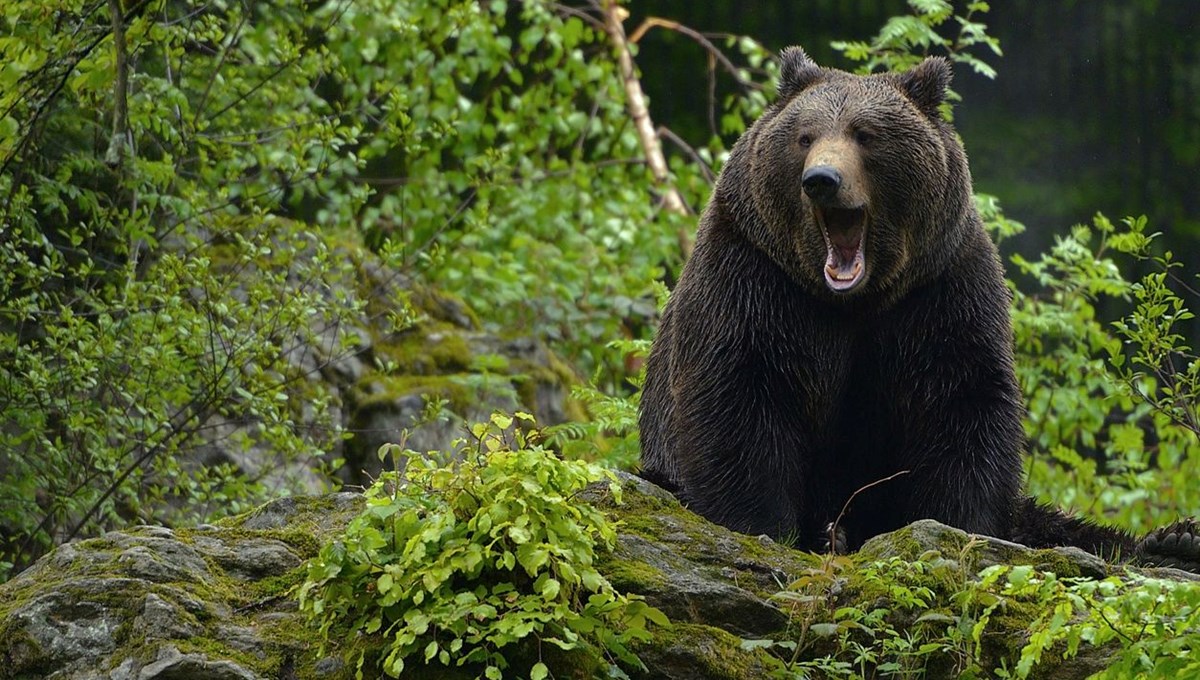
(456, 563)
(906, 39)
(905, 619)
(611, 436)
(936, 617)
(1154, 624)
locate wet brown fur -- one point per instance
(771, 398)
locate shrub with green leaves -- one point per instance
(935, 617)
(457, 562)
(152, 288)
(1111, 406)
(1153, 624)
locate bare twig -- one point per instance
(666, 133)
(834, 527)
(578, 13)
(614, 15)
(712, 96)
(714, 52)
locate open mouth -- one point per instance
(845, 232)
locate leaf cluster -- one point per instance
(906, 39)
(905, 619)
(1153, 624)
(935, 617)
(1111, 406)
(457, 564)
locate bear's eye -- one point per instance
(806, 140)
(864, 137)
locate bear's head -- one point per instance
(861, 187)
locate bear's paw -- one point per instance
(1175, 545)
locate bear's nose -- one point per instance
(821, 182)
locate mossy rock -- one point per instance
(217, 602)
(369, 373)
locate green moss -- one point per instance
(308, 514)
(430, 349)
(443, 306)
(384, 391)
(697, 650)
(529, 375)
(302, 536)
(22, 654)
(633, 577)
(284, 585)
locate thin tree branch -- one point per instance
(578, 13)
(119, 141)
(834, 527)
(713, 51)
(666, 133)
(614, 15)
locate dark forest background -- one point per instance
(1096, 106)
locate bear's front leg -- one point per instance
(738, 464)
(956, 407)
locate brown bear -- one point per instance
(844, 318)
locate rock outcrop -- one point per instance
(217, 602)
(391, 346)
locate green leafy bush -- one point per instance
(519, 181)
(152, 289)
(934, 617)
(1155, 624)
(921, 618)
(1111, 406)
(457, 562)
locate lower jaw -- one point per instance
(842, 279)
(842, 287)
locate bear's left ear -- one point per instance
(798, 72)
(926, 83)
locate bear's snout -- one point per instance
(821, 183)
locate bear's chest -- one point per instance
(857, 383)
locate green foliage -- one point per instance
(519, 183)
(1111, 406)
(151, 299)
(905, 39)
(933, 618)
(1154, 624)
(458, 562)
(611, 435)
(926, 617)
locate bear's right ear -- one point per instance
(798, 72)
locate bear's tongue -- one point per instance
(844, 266)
